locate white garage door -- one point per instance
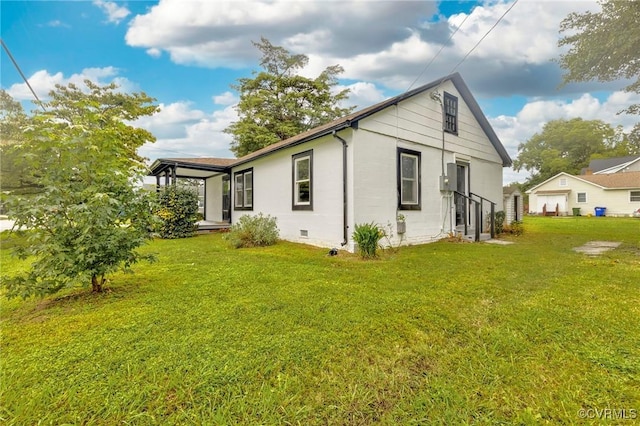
(551, 201)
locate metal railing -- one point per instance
(477, 212)
(492, 212)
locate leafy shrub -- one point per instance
(178, 212)
(253, 231)
(516, 228)
(500, 216)
(367, 236)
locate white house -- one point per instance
(428, 156)
(618, 193)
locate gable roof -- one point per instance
(351, 120)
(614, 180)
(601, 164)
(628, 180)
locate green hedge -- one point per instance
(178, 212)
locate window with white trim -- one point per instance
(581, 197)
(634, 196)
(302, 180)
(243, 190)
(408, 179)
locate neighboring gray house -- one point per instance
(512, 204)
(630, 163)
(428, 156)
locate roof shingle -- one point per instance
(614, 180)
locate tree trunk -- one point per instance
(96, 284)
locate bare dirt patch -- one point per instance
(596, 248)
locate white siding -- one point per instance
(633, 167)
(375, 187)
(419, 119)
(272, 193)
(509, 206)
(415, 124)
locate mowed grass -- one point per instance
(444, 333)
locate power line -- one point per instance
(6, 49)
(437, 54)
(483, 37)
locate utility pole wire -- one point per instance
(483, 37)
(439, 51)
(6, 49)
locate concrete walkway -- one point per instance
(595, 248)
(499, 242)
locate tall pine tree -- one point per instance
(277, 103)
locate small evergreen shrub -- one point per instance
(253, 231)
(368, 236)
(177, 209)
(500, 216)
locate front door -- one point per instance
(226, 198)
(461, 187)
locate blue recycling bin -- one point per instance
(600, 211)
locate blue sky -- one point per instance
(187, 54)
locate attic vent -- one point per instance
(304, 233)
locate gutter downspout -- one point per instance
(345, 226)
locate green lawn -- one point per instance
(444, 333)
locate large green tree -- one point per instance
(604, 46)
(91, 214)
(277, 103)
(565, 146)
(13, 120)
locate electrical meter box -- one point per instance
(449, 182)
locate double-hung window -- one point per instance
(408, 179)
(450, 113)
(243, 190)
(634, 196)
(302, 180)
(581, 197)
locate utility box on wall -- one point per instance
(449, 182)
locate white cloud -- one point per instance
(43, 82)
(153, 52)
(389, 43)
(513, 130)
(172, 120)
(114, 12)
(56, 23)
(362, 94)
(227, 98)
(185, 132)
